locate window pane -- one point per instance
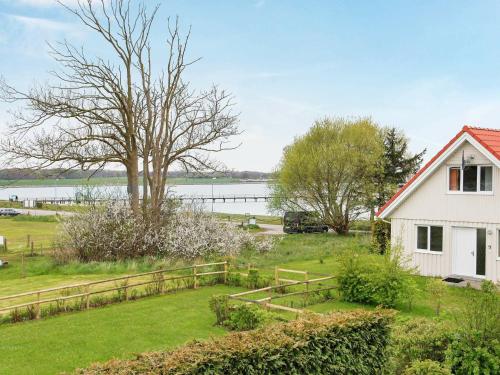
(454, 184)
(422, 238)
(481, 252)
(470, 178)
(486, 177)
(437, 238)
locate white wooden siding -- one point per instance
(404, 232)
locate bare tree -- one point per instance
(122, 111)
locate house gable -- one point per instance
(483, 143)
(433, 201)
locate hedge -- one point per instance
(339, 343)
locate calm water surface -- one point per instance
(251, 207)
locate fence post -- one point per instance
(28, 241)
(37, 306)
(125, 290)
(270, 293)
(195, 271)
(276, 276)
(306, 279)
(87, 302)
(225, 272)
(22, 266)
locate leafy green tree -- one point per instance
(330, 170)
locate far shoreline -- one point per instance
(120, 181)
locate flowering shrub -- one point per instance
(111, 233)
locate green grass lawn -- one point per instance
(41, 230)
(65, 342)
(261, 219)
(75, 340)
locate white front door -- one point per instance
(464, 244)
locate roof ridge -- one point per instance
(480, 128)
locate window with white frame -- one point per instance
(429, 238)
(470, 179)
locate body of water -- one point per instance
(250, 207)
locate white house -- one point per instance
(447, 217)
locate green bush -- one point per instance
(255, 280)
(437, 290)
(475, 348)
(234, 279)
(350, 343)
(219, 304)
(482, 313)
(381, 236)
(469, 354)
(252, 279)
(376, 284)
(427, 367)
(419, 340)
(244, 317)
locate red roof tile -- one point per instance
(488, 138)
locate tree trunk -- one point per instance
(341, 228)
(145, 174)
(133, 183)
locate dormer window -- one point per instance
(470, 179)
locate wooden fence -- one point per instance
(84, 291)
(281, 283)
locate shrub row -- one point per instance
(348, 343)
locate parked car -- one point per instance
(303, 222)
(9, 212)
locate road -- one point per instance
(271, 229)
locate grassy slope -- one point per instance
(321, 254)
(76, 340)
(261, 219)
(17, 229)
(107, 181)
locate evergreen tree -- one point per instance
(398, 164)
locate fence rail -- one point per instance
(281, 283)
(90, 287)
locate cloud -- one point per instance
(40, 23)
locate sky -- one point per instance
(426, 67)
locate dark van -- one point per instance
(303, 222)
